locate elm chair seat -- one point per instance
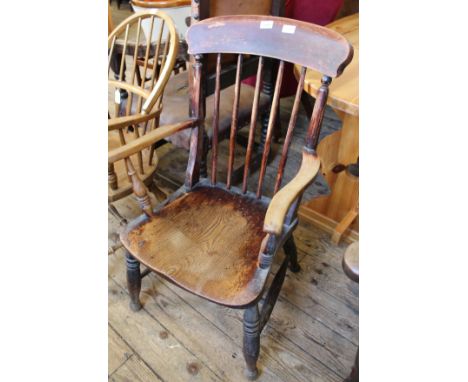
(176, 109)
(206, 241)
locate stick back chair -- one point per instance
(209, 237)
(137, 86)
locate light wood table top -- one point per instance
(344, 90)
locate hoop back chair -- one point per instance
(138, 69)
(209, 237)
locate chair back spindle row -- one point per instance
(313, 129)
(286, 40)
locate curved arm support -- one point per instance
(121, 122)
(283, 199)
(147, 140)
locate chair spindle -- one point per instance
(235, 112)
(124, 50)
(215, 127)
(289, 133)
(134, 67)
(313, 130)
(156, 55)
(145, 63)
(271, 123)
(112, 177)
(139, 189)
(111, 52)
(253, 123)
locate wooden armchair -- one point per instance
(137, 87)
(209, 237)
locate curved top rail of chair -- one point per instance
(161, 3)
(173, 49)
(307, 44)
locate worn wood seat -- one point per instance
(175, 109)
(206, 241)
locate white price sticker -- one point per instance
(291, 29)
(117, 96)
(266, 24)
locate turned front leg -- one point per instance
(133, 281)
(251, 346)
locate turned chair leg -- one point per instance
(133, 282)
(290, 249)
(251, 346)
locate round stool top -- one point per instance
(351, 261)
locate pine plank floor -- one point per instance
(312, 334)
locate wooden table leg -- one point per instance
(344, 224)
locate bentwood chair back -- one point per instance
(139, 68)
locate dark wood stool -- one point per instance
(351, 268)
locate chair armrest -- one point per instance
(120, 122)
(279, 205)
(147, 140)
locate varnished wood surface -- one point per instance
(312, 334)
(206, 241)
(294, 41)
(281, 202)
(344, 91)
(161, 3)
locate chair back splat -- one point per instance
(264, 37)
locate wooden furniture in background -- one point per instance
(110, 24)
(351, 269)
(177, 10)
(176, 100)
(137, 86)
(339, 152)
(213, 239)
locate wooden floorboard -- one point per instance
(134, 370)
